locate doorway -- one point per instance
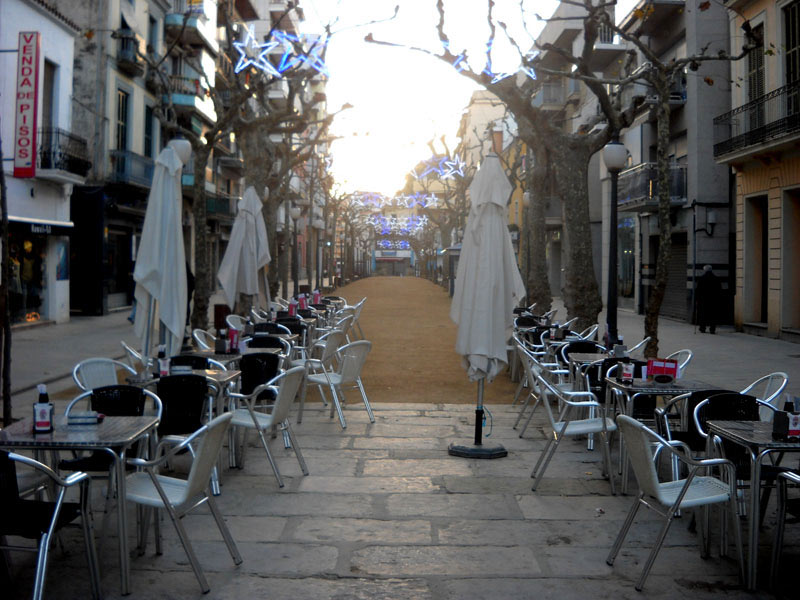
(756, 259)
(790, 276)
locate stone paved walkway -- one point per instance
(386, 513)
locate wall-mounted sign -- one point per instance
(27, 104)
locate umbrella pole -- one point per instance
(479, 415)
(149, 331)
(477, 450)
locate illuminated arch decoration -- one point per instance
(393, 245)
(397, 225)
(374, 200)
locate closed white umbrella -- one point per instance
(488, 285)
(247, 252)
(160, 272)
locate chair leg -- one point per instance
(543, 468)
(270, 459)
(651, 558)
(41, 567)
(364, 398)
(539, 461)
(519, 391)
(187, 546)
(223, 529)
(288, 431)
(607, 462)
(336, 404)
(303, 392)
(530, 416)
(777, 545)
(612, 554)
(88, 538)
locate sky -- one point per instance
(403, 98)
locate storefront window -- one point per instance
(27, 282)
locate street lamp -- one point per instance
(614, 157)
(295, 213)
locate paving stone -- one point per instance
(418, 561)
(367, 485)
(410, 467)
(294, 504)
(538, 506)
(489, 506)
(399, 443)
(332, 530)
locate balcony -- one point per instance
(607, 48)
(550, 96)
(188, 96)
(638, 187)
(128, 59)
(219, 205)
(232, 163)
(767, 123)
(225, 71)
(654, 16)
(131, 168)
(63, 157)
(189, 21)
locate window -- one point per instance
(152, 35)
(149, 131)
(755, 80)
(49, 95)
(791, 19)
(122, 119)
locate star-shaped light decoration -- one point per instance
(251, 53)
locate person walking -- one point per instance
(708, 293)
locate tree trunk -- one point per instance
(665, 227)
(202, 274)
(570, 164)
(536, 234)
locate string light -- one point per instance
(253, 54)
(393, 225)
(444, 167)
(460, 64)
(374, 200)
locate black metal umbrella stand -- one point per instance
(477, 450)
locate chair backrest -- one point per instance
(526, 321)
(692, 436)
(189, 360)
(728, 406)
(205, 339)
(684, 357)
(288, 383)
(98, 372)
(639, 346)
(359, 307)
(269, 341)
(639, 441)
(118, 401)
(270, 327)
(768, 389)
(589, 332)
(258, 368)
(579, 346)
(206, 455)
(236, 322)
(184, 400)
(332, 341)
(134, 358)
(352, 357)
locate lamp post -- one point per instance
(614, 157)
(295, 213)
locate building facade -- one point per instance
(757, 140)
(44, 158)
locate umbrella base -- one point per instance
(477, 451)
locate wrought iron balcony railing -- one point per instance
(129, 167)
(639, 184)
(768, 118)
(179, 84)
(64, 151)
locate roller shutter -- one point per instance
(677, 295)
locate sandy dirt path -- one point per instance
(413, 356)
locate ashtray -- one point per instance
(85, 417)
(663, 379)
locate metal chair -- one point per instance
(565, 425)
(205, 340)
(768, 389)
(98, 372)
(639, 346)
(236, 322)
(667, 498)
(40, 520)
(177, 496)
(785, 505)
(351, 359)
(284, 387)
(135, 358)
(323, 353)
(684, 357)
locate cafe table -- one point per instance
(114, 435)
(756, 438)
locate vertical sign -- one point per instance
(27, 104)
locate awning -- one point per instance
(43, 226)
